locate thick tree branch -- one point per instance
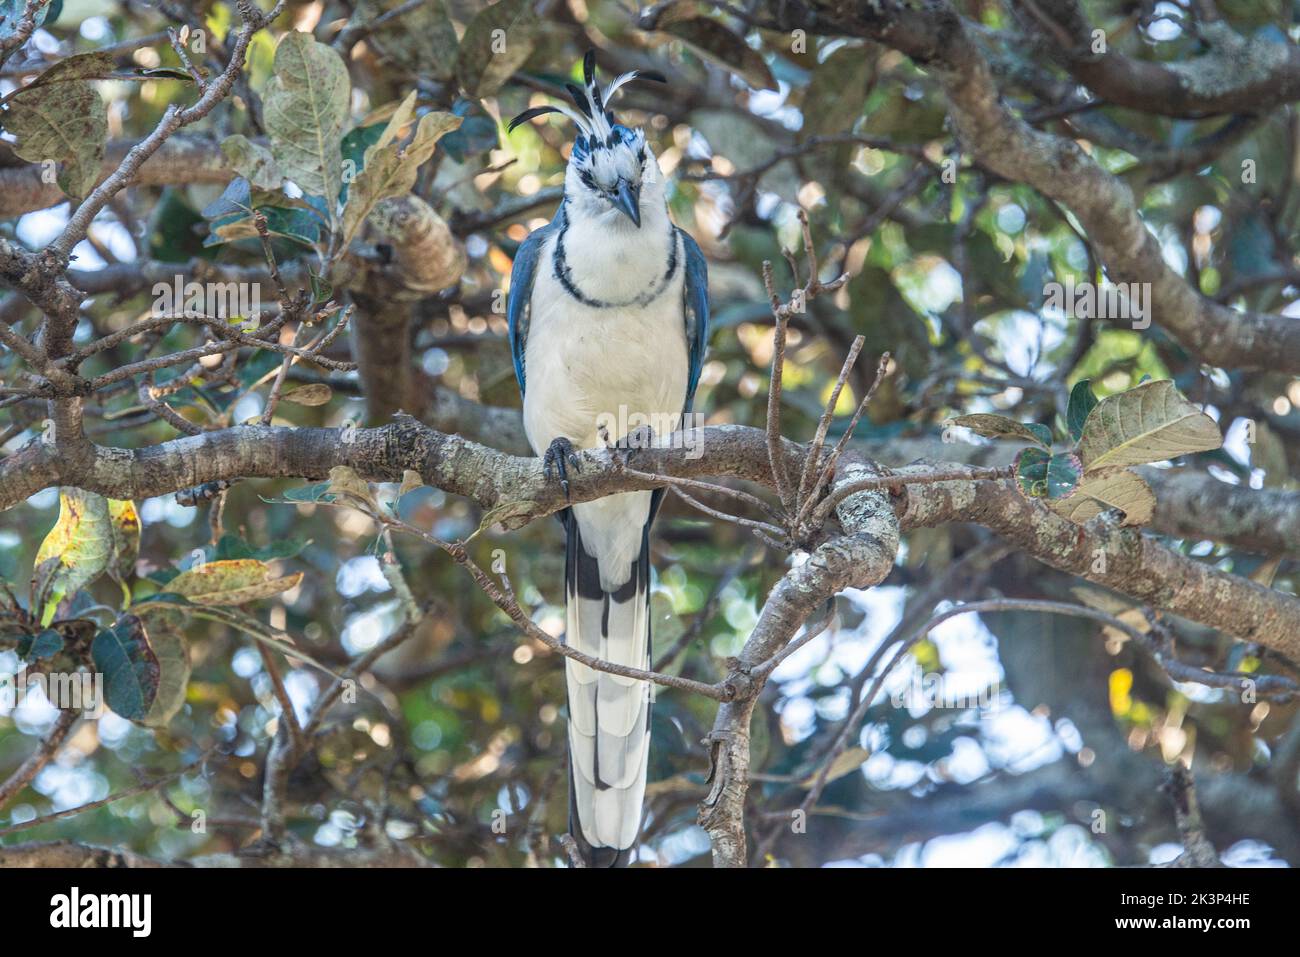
(1136, 564)
(936, 36)
(1120, 558)
(1233, 75)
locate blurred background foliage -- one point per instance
(948, 267)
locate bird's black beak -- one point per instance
(628, 201)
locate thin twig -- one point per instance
(679, 482)
(38, 759)
(882, 370)
(824, 424)
(142, 788)
(780, 318)
(773, 533)
(287, 714)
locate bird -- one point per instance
(608, 314)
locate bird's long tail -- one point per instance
(609, 715)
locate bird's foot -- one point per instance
(639, 438)
(559, 456)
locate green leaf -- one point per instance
(47, 644)
(354, 146)
(1118, 488)
(315, 493)
(232, 215)
(162, 598)
(65, 123)
(487, 58)
(1149, 423)
(77, 549)
(1082, 402)
(1040, 475)
(232, 546)
(172, 228)
(321, 290)
(390, 171)
(126, 659)
(1000, 427)
(173, 678)
(715, 43)
(305, 107)
(477, 134)
(162, 73)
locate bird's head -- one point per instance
(612, 172)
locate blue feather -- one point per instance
(522, 272)
(696, 304)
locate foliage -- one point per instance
(206, 613)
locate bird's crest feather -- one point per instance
(593, 116)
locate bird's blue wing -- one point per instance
(695, 310)
(521, 290)
(696, 298)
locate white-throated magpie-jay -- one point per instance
(608, 314)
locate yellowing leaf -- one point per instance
(848, 760)
(389, 171)
(174, 677)
(510, 515)
(94, 65)
(230, 582)
(317, 393)
(497, 42)
(993, 426)
(77, 549)
(306, 106)
(421, 41)
(124, 524)
(346, 483)
(65, 123)
(1111, 488)
(242, 596)
(252, 161)
(411, 480)
(1149, 423)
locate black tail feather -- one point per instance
(582, 577)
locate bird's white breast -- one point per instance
(586, 366)
(619, 367)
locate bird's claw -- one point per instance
(642, 437)
(559, 456)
